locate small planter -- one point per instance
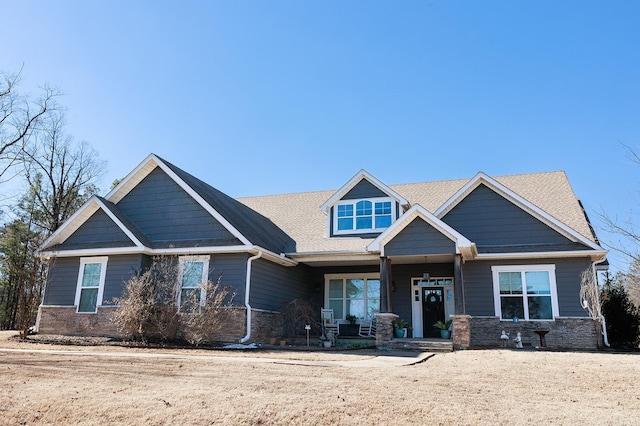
(283, 342)
(445, 334)
(327, 344)
(272, 340)
(400, 333)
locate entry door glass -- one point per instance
(432, 310)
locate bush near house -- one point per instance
(148, 310)
(623, 317)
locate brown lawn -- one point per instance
(114, 385)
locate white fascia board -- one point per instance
(224, 222)
(463, 244)
(334, 256)
(281, 259)
(81, 216)
(532, 209)
(121, 225)
(146, 167)
(593, 254)
(74, 222)
(351, 183)
(130, 181)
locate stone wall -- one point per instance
(563, 333)
(65, 320)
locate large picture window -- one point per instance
(526, 292)
(90, 287)
(362, 216)
(194, 273)
(353, 294)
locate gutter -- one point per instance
(247, 288)
(604, 322)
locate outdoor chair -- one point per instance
(328, 322)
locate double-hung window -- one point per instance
(90, 286)
(526, 292)
(363, 216)
(353, 294)
(194, 273)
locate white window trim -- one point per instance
(205, 277)
(373, 216)
(103, 273)
(551, 269)
(329, 277)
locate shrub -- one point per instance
(206, 320)
(298, 313)
(623, 317)
(147, 309)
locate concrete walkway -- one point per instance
(383, 359)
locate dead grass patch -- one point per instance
(467, 387)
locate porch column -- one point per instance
(385, 284)
(458, 285)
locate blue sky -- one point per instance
(286, 96)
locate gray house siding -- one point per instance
(164, 212)
(232, 270)
(364, 189)
(491, 221)
(419, 238)
(119, 270)
(62, 280)
(98, 231)
(273, 285)
(478, 284)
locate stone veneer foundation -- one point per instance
(64, 320)
(564, 333)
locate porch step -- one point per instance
(424, 345)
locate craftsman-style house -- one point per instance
(492, 253)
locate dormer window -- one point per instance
(363, 216)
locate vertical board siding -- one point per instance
(488, 219)
(98, 231)
(273, 285)
(165, 212)
(364, 189)
(419, 238)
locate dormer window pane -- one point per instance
(383, 214)
(345, 217)
(362, 216)
(364, 212)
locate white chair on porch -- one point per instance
(329, 324)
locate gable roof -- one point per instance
(351, 183)
(93, 204)
(548, 219)
(301, 217)
(463, 245)
(250, 227)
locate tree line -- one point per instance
(45, 176)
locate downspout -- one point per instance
(604, 322)
(247, 288)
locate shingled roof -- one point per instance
(299, 214)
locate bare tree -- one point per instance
(19, 117)
(62, 171)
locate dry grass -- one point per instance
(468, 387)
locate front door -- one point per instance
(432, 310)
